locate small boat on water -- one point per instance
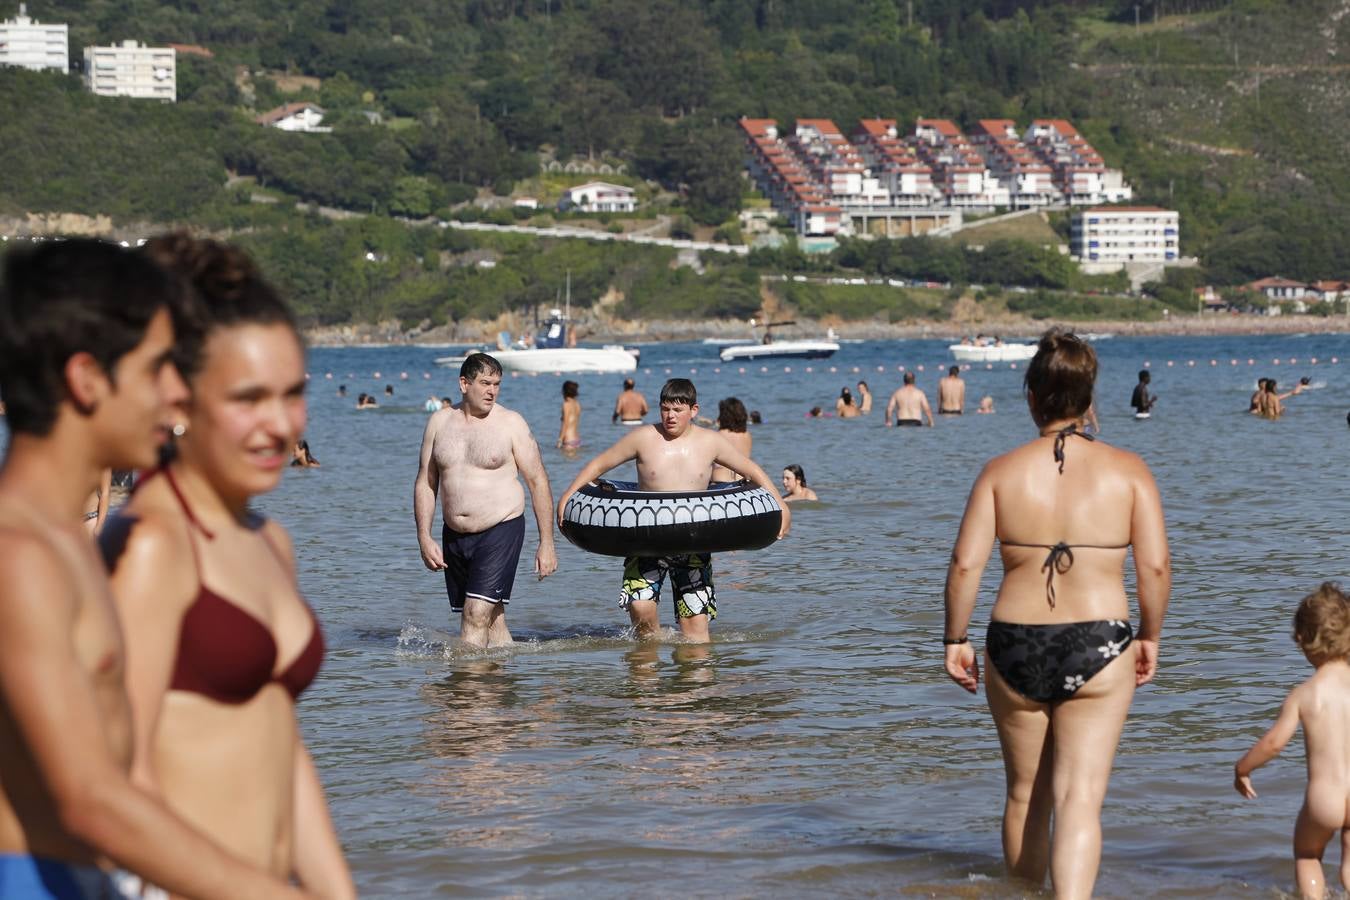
(550, 353)
(974, 353)
(553, 349)
(772, 348)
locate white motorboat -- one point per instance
(773, 348)
(992, 352)
(549, 353)
(553, 349)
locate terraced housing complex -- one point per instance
(879, 182)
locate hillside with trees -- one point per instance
(1235, 112)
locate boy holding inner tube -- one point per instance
(673, 455)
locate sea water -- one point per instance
(817, 748)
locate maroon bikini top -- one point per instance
(226, 653)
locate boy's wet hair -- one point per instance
(1322, 624)
(60, 298)
(476, 364)
(227, 290)
(679, 391)
(1060, 376)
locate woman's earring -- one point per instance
(179, 430)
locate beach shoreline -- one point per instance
(595, 329)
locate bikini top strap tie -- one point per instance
(1070, 430)
(1059, 559)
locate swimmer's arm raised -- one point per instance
(974, 544)
(1268, 747)
(51, 701)
(738, 462)
(319, 863)
(1153, 569)
(531, 467)
(424, 495)
(623, 450)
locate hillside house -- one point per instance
(301, 116)
(598, 197)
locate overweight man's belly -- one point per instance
(474, 502)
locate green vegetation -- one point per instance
(1232, 111)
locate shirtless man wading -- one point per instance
(472, 453)
(907, 404)
(673, 455)
(630, 406)
(951, 393)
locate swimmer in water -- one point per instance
(951, 393)
(630, 406)
(794, 485)
(731, 424)
(864, 398)
(569, 435)
(673, 455)
(301, 457)
(986, 405)
(907, 404)
(1322, 706)
(1141, 399)
(844, 407)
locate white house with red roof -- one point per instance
(301, 116)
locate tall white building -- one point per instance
(1122, 234)
(29, 44)
(132, 70)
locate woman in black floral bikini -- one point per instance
(1062, 661)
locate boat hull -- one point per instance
(567, 359)
(1003, 353)
(780, 350)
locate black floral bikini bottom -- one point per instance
(1048, 663)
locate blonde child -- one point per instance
(1322, 705)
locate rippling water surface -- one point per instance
(817, 747)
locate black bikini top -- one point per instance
(1060, 557)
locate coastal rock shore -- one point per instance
(609, 330)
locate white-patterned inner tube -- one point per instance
(614, 518)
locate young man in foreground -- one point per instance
(85, 372)
(673, 455)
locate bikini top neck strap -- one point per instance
(1070, 430)
(182, 501)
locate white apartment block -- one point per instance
(29, 44)
(132, 70)
(1123, 234)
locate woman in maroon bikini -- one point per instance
(219, 641)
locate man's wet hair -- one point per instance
(954, 370)
(679, 391)
(909, 378)
(60, 298)
(226, 289)
(628, 384)
(1144, 376)
(476, 364)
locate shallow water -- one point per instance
(817, 747)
